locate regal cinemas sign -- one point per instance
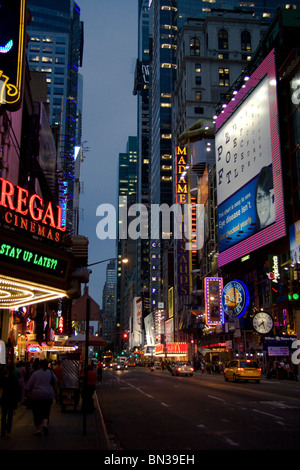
(30, 212)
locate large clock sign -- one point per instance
(263, 322)
(235, 299)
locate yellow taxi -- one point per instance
(243, 369)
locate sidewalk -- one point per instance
(67, 431)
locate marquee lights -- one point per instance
(213, 287)
(15, 293)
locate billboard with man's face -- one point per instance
(248, 167)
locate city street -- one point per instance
(146, 410)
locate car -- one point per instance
(120, 366)
(242, 369)
(182, 368)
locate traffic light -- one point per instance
(125, 335)
(12, 47)
(293, 290)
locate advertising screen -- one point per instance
(248, 167)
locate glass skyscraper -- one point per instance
(55, 47)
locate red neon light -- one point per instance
(33, 205)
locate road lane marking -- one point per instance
(164, 404)
(230, 442)
(268, 414)
(138, 389)
(215, 398)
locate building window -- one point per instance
(194, 47)
(223, 56)
(198, 95)
(197, 68)
(223, 39)
(223, 77)
(245, 41)
(199, 110)
(198, 80)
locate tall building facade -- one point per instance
(141, 90)
(55, 47)
(212, 53)
(126, 246)
(109, 303)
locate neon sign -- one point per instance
(213, 287)
(23, 257)
(235, 299)
(181, 175)
(42, 221)
(12, 40)
(7, 47)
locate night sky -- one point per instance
(109, 115)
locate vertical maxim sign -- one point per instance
(12, 39)
(182, 193)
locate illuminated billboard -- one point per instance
(235, 299)
(294, 230)
(248, 167)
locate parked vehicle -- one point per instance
(245, 369)
(182, 368)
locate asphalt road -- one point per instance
(146, 410)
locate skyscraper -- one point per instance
(126, 246)
(109, 303)
(55, 47)
(141, 90)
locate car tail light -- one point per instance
(258, 369)
(179, 368)
(240, 368)
(192, 368)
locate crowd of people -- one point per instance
(33, 384)
(282, 369)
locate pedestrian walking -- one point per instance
(42, 389)
(10, 399)
(99, 371)
(20, 367)
(58, 372)
(91, 387)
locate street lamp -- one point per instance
(87, 327)
(123, 260)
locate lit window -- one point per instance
(223, 76)
(223, 39)
(245, 41)
(194, 46)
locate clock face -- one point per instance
(263, 322)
